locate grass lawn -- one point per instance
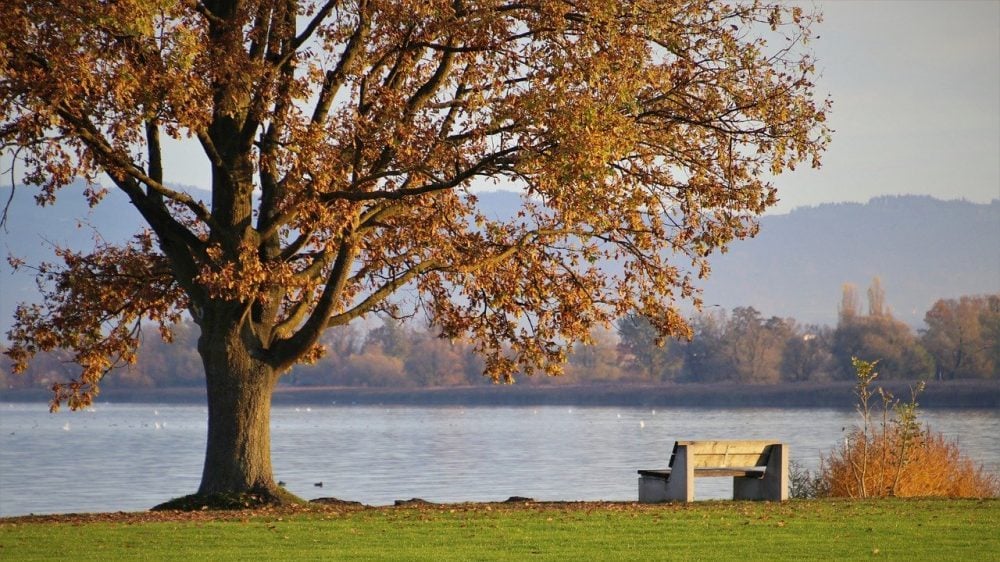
(922, 529)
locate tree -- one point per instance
(753, 347)
(876, 299)
(343, 139)
(596, 359)
(340, 343)
(170, 364)
(644, 354)
(434, 362)
(877, 335)
(391, 338)
(850, 306)
(740, 346)
(703, 359)
(807, 354)
(990, 320)
(960, 338)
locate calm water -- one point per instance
(127, 457)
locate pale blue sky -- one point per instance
(916, 91)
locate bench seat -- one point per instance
(743, 472)
(759, 470)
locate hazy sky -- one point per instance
(916, 93)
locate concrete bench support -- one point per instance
(759, 470)
(773, 486)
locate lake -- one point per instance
(129, 457)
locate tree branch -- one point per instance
(116, 161)
(286, 351)
(335, 78)
(382, 293)
(155, 154)
(311, 27)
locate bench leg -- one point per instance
(680, 486)
(773, 486)
(652, 489)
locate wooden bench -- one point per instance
(759, 470)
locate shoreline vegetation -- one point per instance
(838, 395)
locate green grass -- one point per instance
(797, 530)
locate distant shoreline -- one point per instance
(839, 395)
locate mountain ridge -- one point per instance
(921, 248)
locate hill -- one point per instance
(922, 248)
(31, 232)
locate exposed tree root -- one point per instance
(228, 501)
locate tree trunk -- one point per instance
(238, 451)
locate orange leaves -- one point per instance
(930, 465)
(77, 395)
(226, 276)
(94, 303)
(343, 150)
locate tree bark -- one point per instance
(238, 450)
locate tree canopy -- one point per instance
(345, 139)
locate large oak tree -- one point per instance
(345, 140)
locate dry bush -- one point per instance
(891, 455)
(804, 484)
(930, 465)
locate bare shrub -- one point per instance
(892, 455)
(804, 484)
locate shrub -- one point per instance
(804, 484)
(892, 455)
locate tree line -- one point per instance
(961, 340)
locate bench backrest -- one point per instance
(727, 454)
